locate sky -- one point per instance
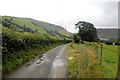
(66, 13)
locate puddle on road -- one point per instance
(43, 59)
(38, 61)
(70, 58)
(57, 63)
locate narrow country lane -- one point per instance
(53, 65)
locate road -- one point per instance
(53, 65)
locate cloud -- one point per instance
(102, 13)
(110, 15)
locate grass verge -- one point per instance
(83, 62)
(109, 58)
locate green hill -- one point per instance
(50, 27)
(20, 24)
(31, 25)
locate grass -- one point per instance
(40, 26)
(90, 54)
(110, 60)
(83, 62)
(50, 27)
(21, 21)
(28, 24)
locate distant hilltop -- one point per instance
(33, 24)
(109, 33)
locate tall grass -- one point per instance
(109, 58)
(110, 61)
(84, 63)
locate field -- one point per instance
(84, 61)
(110, 61)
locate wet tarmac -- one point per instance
(53, 64)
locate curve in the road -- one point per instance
(54, 65)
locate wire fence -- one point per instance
(100, 50)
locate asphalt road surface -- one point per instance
(53, 64)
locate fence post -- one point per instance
(101, 54)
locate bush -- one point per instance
(117, 43)
(76, 38)
(108, 43)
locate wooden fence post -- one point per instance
(101, 54)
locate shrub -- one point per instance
(117, 43)
(108, 43)
(76, 38)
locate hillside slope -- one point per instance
(111, 34)
(20, 25)
(49, 27)
(32, 25)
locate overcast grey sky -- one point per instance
(66, 13)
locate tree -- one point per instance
(76, 38)
(87, 31)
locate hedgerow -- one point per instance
(21, 47)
